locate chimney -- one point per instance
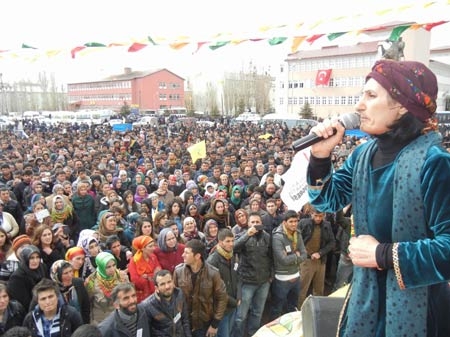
(127, 70)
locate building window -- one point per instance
(301, 100)
(343, 100)
(324, 100)
(350, 100)
(336, 100)
(294, 100)
(281, 100)
(162, 85)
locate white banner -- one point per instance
(295, 189)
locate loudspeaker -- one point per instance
(320, 316)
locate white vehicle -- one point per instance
(290, 120)
(146, 121)
(248, 117)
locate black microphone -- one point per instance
(349, 121)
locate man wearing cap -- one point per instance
(398, 186)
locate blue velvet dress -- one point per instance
(423, 263)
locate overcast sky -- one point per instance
(55, 24)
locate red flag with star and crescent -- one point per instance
(323, 77)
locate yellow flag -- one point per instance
(197, 151)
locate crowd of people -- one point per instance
(93, 211)
(124, 232)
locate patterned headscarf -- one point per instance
(57, 269)
(73, 252)
(410, 83)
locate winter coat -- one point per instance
(69, 321)
(165, 323)
(113, 326)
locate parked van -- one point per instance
(290, 120)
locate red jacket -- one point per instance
(144, 287)
(169, 260)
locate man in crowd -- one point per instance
(226, 262)
(166, 308)
(49, 317)
(319, 241)
(288, 252)
(203, 289)
(129, 318)
(255, 273)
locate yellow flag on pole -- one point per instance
(197, 151)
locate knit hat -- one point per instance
(410, 83)
(19, 241)
(73, 252)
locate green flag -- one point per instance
(333, 36)
(27, 46)
(277, 40)
(218, 45)
(94, 44)
(151, 41)
(397, 31)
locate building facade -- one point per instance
(146, 90)
(302, 78)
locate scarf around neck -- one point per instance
(222, 252)
(402, 305)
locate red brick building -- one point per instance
(146, 90)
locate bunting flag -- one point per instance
(197, 151)
(136, 47)
(199, 45)
(295, 191)
(178, 45)
(218, 45)
(397, 31)
(27, 46)
(151, 41)
(323, 77)
(94, 44)
(430, 26)
(314, 38)
(75, 50)
(309, 30)
(277, 40)
(334, 36)
(297, 42)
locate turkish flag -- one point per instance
(323, 77)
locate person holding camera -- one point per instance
(255, 272)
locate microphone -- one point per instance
(349, 121)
